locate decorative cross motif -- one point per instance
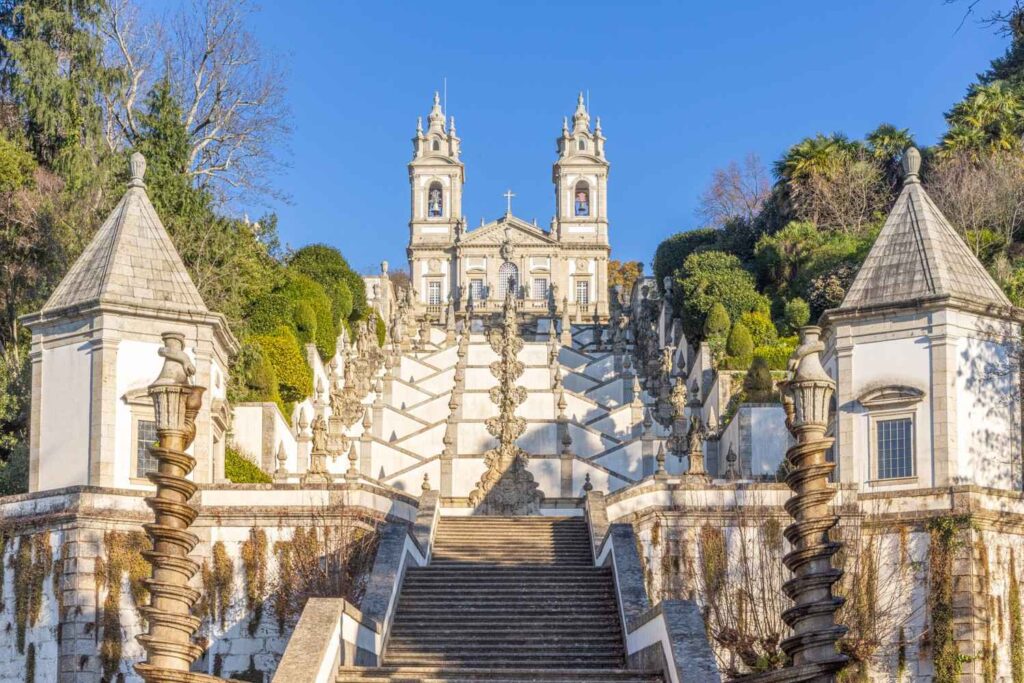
(508, 196)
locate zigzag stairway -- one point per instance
(503, 600)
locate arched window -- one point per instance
(436, 146)
(435, 201)
(583, 145)
(581, 202)
(508, 279)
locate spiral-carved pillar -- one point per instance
(176, 402)
(807, 399)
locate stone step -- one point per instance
(559, 660)
(554, 628)
(503, 591)
(508, 675)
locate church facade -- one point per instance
(548, 271)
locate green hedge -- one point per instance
(674, 250)
(240, 470)
(344, 286)
(777, 354)
(252, 376)
(294, 377)
(300, 303)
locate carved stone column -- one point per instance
(176, 402)
(812, 646)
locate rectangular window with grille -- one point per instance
(582, 292)
(434, 293)
(144, 461)
(476, 289)
(895, 448)
(540, 288)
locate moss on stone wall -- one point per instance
(30, 664)
(254, 564)
(32, 564)
(122, 556)
(58, 589)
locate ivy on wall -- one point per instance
(122, 555)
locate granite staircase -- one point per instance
(503, 600)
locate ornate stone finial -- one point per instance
(660, 458)
(731, 471)
(177, 367)
(383, 267)
(807, 399)
(303, 421)
(137, 164)
(176, 403)
(353, 459)
(566, 442)
(637, 391)
(282, 459)
(367, 419)
(911, 165)
(597, 126)
(562, 404)
(425, 486)
(587, 486)
(565, 126)
(451, 125)
(319, 388)
(419, 126)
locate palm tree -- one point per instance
(990, 118)
(886, 144)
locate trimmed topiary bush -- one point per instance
(294, 377)
(300, 303)
(758, 382)
(739, 348)
(325, 265)
(762, 329)
(241, 470)
(252, 376)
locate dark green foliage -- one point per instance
(791, 261)
(758, 382)
(294, 378)
(240, 470)
(1009, 67)
(672, 252)
(14, 472)
(739, 348)
(713, 276)
(795, 315)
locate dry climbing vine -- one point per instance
(254, 562)
(218, 585)
(946, 540)
(123, 555)
(32, 564)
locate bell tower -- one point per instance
(581, 181)
(436, 175)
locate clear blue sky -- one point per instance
(681, 88)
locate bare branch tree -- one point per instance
(231, 92)
(983, 197)
(735, 192)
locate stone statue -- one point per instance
(319, 427)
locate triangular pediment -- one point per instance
(517, 231)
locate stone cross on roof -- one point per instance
(508, 196)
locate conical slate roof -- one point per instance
(918, 254)
(131, 261)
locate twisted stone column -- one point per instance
(807, 399)
(168, 643)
